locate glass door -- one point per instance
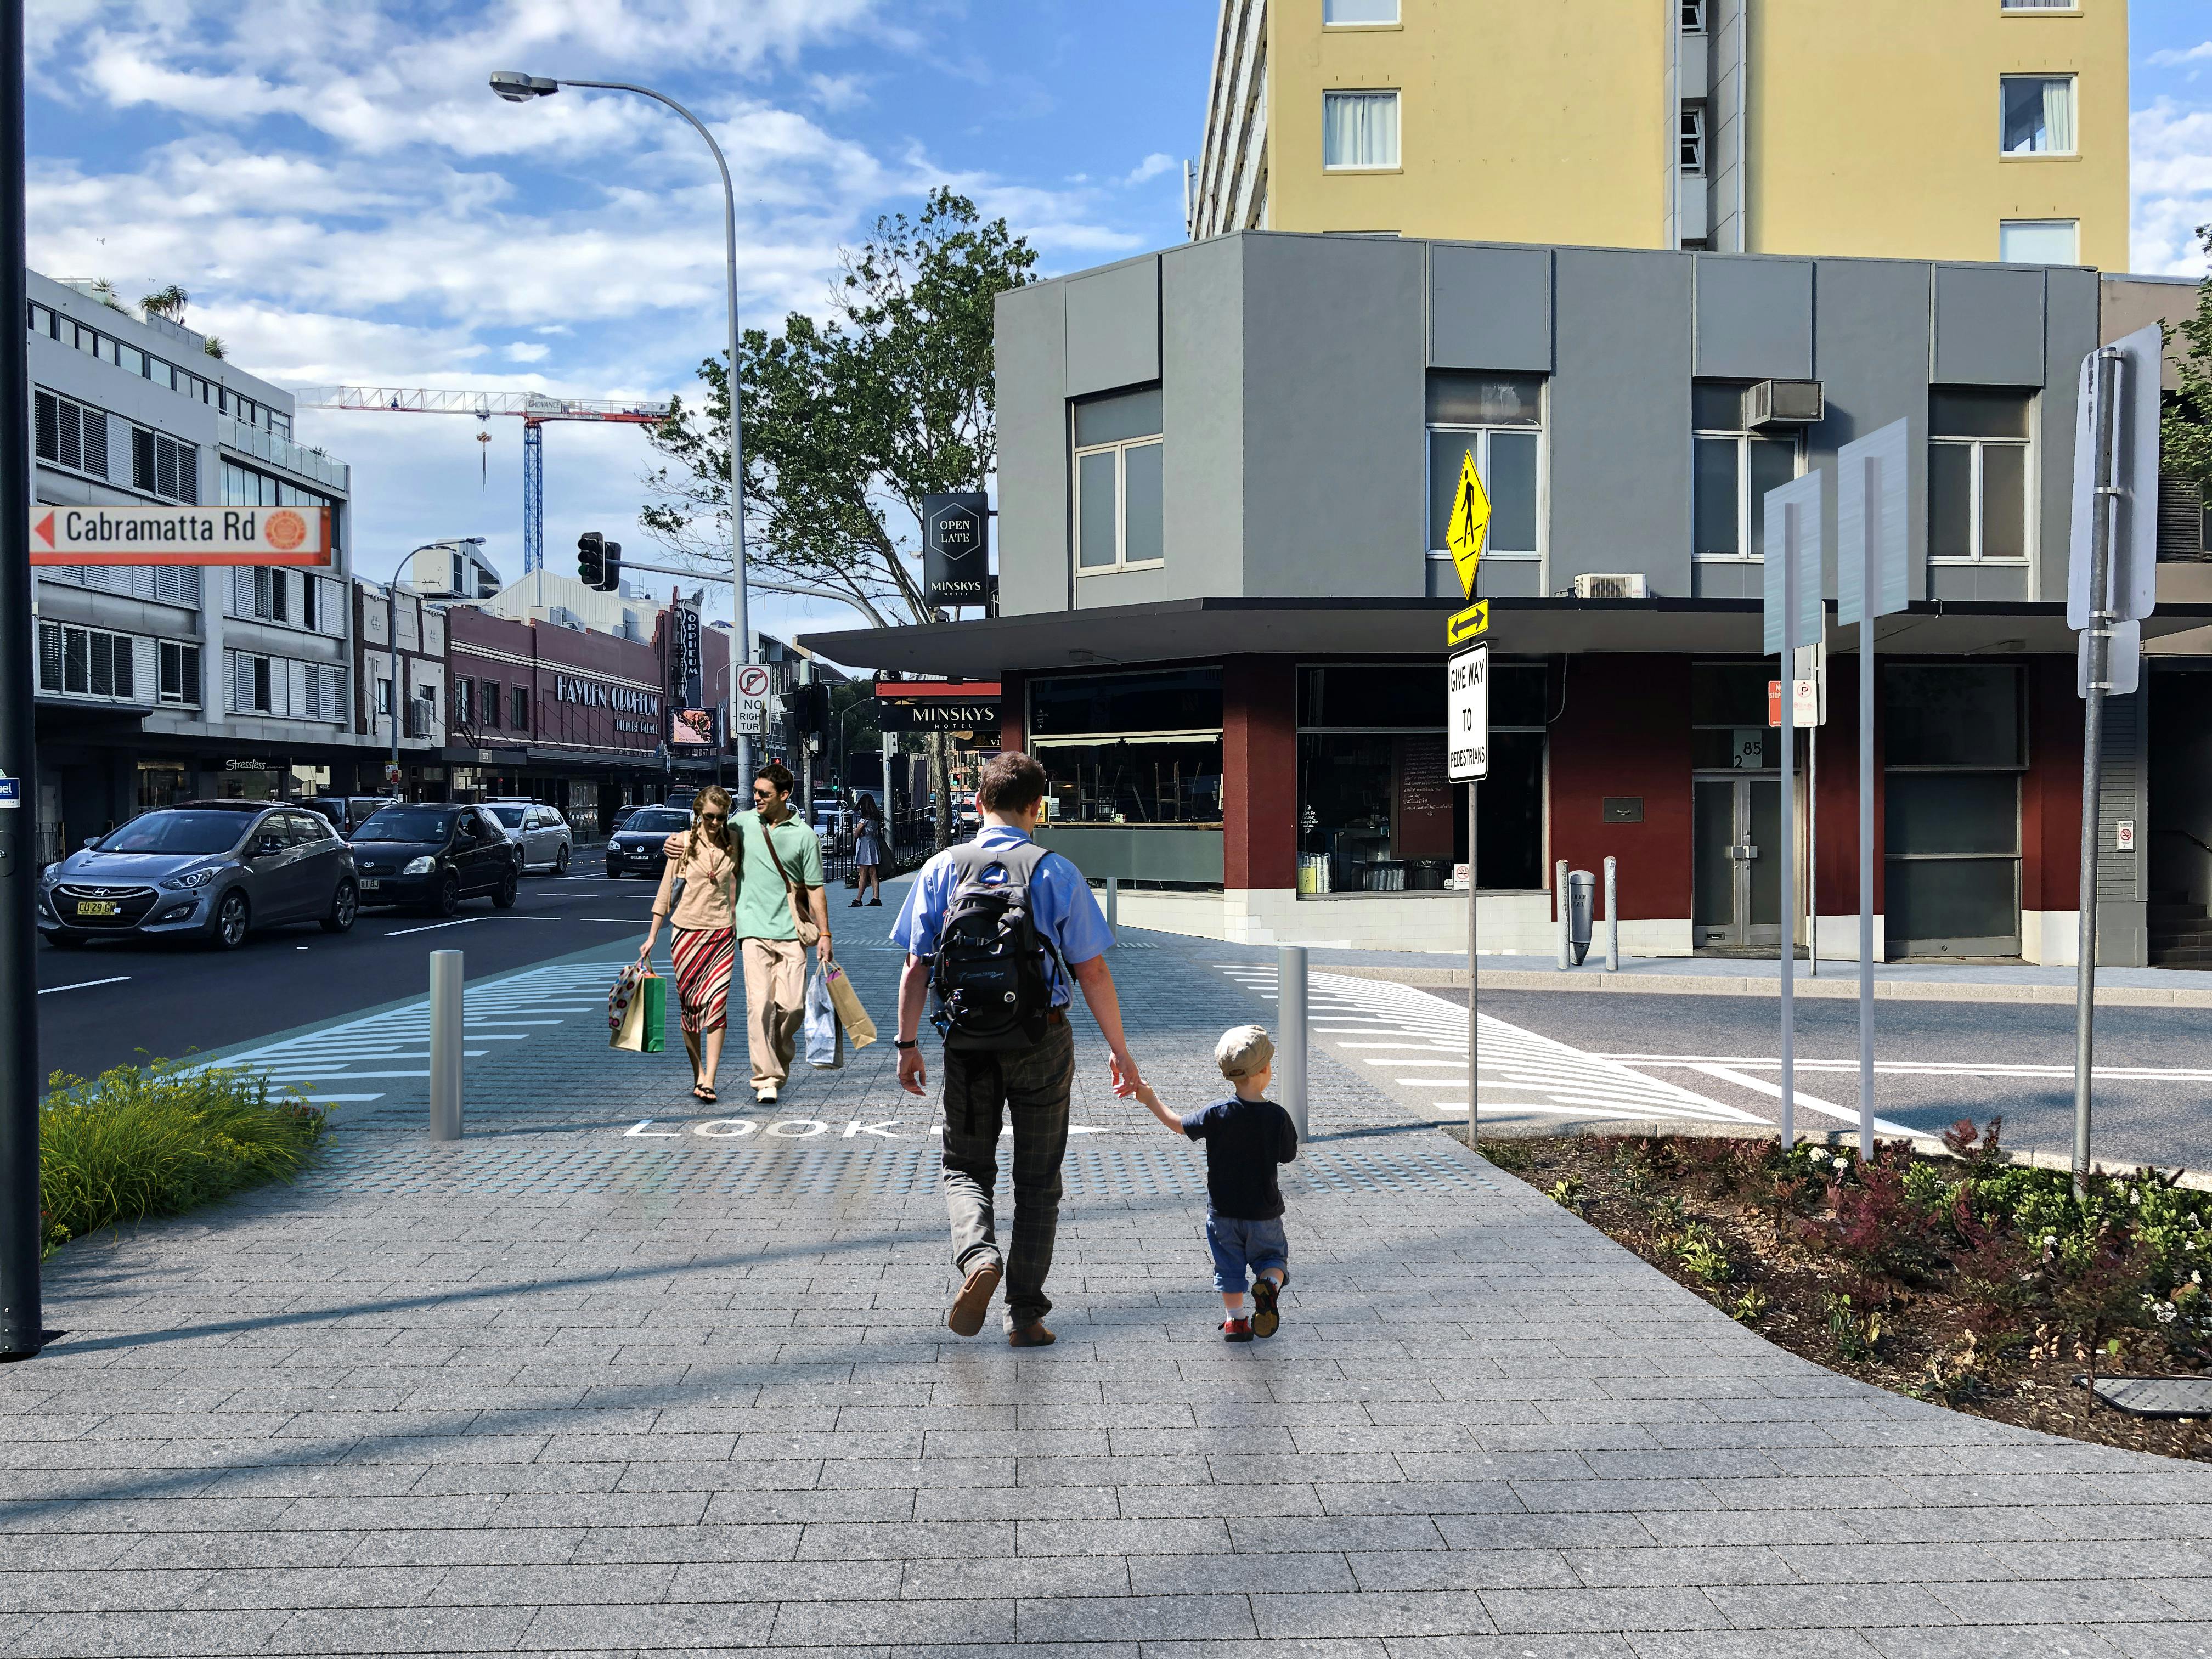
(1736, 863)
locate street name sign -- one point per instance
(1793, 543)
(1467, 731)
(1470, 523)
(2133, 587)
(1471, 623)
(180, 535)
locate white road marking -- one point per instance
(1810, 1102)
(1925, 1067)
(85, 985)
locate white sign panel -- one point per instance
(1792, 523)
(1805, 703)
(1870, 486)
(752, 713)
(2135, 471)
(753, 681)
(2123, 835)
(2123, 664)
(180, 535)
(1466, 730)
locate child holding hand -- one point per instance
(1247, 1136)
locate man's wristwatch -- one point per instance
(902, 1042)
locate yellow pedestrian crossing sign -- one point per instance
(1468, 624)
(1470, 523)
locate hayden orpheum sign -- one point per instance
(180, 535)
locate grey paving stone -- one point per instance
(1135, 1617)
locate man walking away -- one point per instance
(999, 927)
(779, 887)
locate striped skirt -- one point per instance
(703, 958)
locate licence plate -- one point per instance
(370, 883)
(98, 907)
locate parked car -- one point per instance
(213, 870)
(543, 835)
(832, 820)
(623, 815)
(347, 814)
(639, 848)
(435, 854)
(967, 819)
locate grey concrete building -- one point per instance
(164, 684)
(1225, 472)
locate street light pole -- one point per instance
(517, 88)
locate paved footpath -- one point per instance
(588, 1383)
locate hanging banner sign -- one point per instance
(180, 535)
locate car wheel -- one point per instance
(447, 898)
(345, 905)
(560, 862)
(504, 895)
(232, 917)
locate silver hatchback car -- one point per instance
(213, 870)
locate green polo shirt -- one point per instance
(763, 912)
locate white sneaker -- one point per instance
(764, 1097)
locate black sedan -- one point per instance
(434, 856)
(637, 848)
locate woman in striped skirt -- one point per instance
(701, 919)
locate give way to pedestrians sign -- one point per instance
(1468, 716)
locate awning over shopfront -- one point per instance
(1181, 630)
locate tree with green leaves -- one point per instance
(2185, 426)
(850, 420)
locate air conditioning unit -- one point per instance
(1782, 402)
(1622, 585)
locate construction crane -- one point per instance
(535, 410)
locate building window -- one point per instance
(2040, 241)
(160, 465)
(1130, 748)
(1376, 810)
(1693, 138)
(1336, 14)
(1977, 473)
(1956, 743)
(70, 434)
(1693, 17)
(180, 673)
(1359, 130)
(2039, 5)
(383, 696)
(521, 722)
(1120, 500)
(1734, 468)
(242, 486)
(1498, 419)
(464, 703)
(87, 662)
(492, 695)
(2037, 114)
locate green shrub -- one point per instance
(160, 1140)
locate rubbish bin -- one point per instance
(1582, 906)
(1426, 875)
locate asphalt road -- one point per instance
(1937, 1062)
(118, 1002)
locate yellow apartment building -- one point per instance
(1981, 129)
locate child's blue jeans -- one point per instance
(1238, 1245)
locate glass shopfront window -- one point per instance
(1134, 749)
(1376, 810)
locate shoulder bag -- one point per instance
(808, 932)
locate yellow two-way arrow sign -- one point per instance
(1468, 624)
(1470, 523)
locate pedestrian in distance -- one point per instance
(1003, 931)
(697, 899)
(868, 853)
(1247, 1136)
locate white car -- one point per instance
(541, 832)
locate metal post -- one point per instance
(890, 821)
(1291, 1015)
(1473, 975)
(1561, 903)
(1869, 555)
(807, 747)
(445, 1045)
(1789, 790)
(21, 1314)
(398, 699)
(1113, 903)
(1612, 920)
(1813, 813)
(2106, 390)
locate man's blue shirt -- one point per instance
(1060, 905)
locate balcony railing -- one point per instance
(282, 452)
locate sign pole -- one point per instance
(21, 1314)
(1788, 789)
(1869, 584)
(2104, 390)
(1812, 826)
(1473, 1019)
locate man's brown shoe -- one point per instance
(965, 1316)
(1032, 1336)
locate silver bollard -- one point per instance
(1113, 903)
(445, 1045)
(1290, 1037)
(1612, 922)
(1564, 904)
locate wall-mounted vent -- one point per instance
(2181, 518)
(1620, 585)
(1782, 402)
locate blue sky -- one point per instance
(348, 202)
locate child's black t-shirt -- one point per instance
(1245, 1139)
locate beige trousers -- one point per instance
(775, 1004)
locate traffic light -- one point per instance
(612, 583)
(592, 559)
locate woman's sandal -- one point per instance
(703, 1094)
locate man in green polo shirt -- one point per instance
(780, 876)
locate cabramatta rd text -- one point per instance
(169, 535)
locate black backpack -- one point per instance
(992, 991)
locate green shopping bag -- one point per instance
(637, 1011)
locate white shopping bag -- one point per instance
(825, 1035)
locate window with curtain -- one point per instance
(1732, 469)
(2037, 114)
(1359, 129)
(1977, 473)
(1120, 483)
(1335, 13)
(1497, 419)
(2040, 241)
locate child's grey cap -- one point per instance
(1242, 1051)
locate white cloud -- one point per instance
(2171, 161)
(520, 353)
(1150, 167)
(2171, 56)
